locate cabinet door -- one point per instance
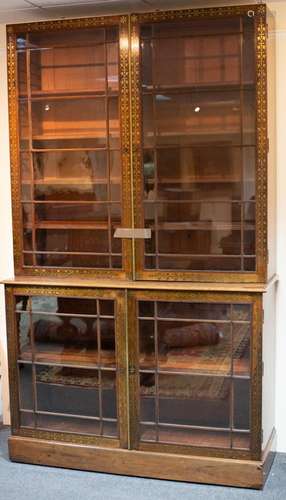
(68, 364)
(201, 97)
(195, 373)
(70, 149)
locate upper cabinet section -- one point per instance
(155, 122)
(70, 161)
(201, 165)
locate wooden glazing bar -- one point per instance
(67, 202)
(98, 330)
(205, 144)
(189, 35)
(30, 129)
(155, 134)
(74, 415)
(198, 427)
(99, 148)
(242, 110)
(256, 376)
(71, 315)
(122, 358)
(156, 347)
(64, 364)
(107, 104)
(70, 46)
(188, 89)
(71, 97)
(33, 353)
(231, 395)
(194, 320)
(102, 254)
(195, 373)
(177, 255)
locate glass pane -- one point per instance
(68, 424)
(108, 383)
(241, 348)
(110, 429)
(199, 401)
(70, 119)
(24, 129)
(196, 60)
(22, 72)
(22, 302)
(77, 425)
(26, 386)
(194, 372)
(73, 240)
(203, 118)
(24, 334)
(66, 167)
(114, 132)
(112, 66)
(27, 419)
(69, 331)
(85, 70)
(97, 213)
(67, 390)
(241, 404)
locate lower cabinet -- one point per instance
(145, 382)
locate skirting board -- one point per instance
(220, 471)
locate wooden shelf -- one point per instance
(65, 137)
(193, 365)
(68, 224)
(216, 86)
(196, 364)
(69, 355)
(202, 226)
(195, 179)
(38, 95)
(73, 181)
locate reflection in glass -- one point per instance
(67, 364)
(194, 372)
(199, 137)
(26, 384)
(70, 148)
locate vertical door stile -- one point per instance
(132, 361)
(126, 139)
(136, 137)
(122, 368)
(256, 375)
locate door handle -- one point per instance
(133, 233)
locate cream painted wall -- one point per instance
(280, 9)
(6, 250)
(6, 260)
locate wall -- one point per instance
(280, 8)
(6, 252)
(6, 261)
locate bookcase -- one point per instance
(141, 321)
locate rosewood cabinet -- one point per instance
(157, 124)
(180, 374)
(141, 321)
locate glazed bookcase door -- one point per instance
(68, 365)
(195, 373)
(68, 84)
(199, 151)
